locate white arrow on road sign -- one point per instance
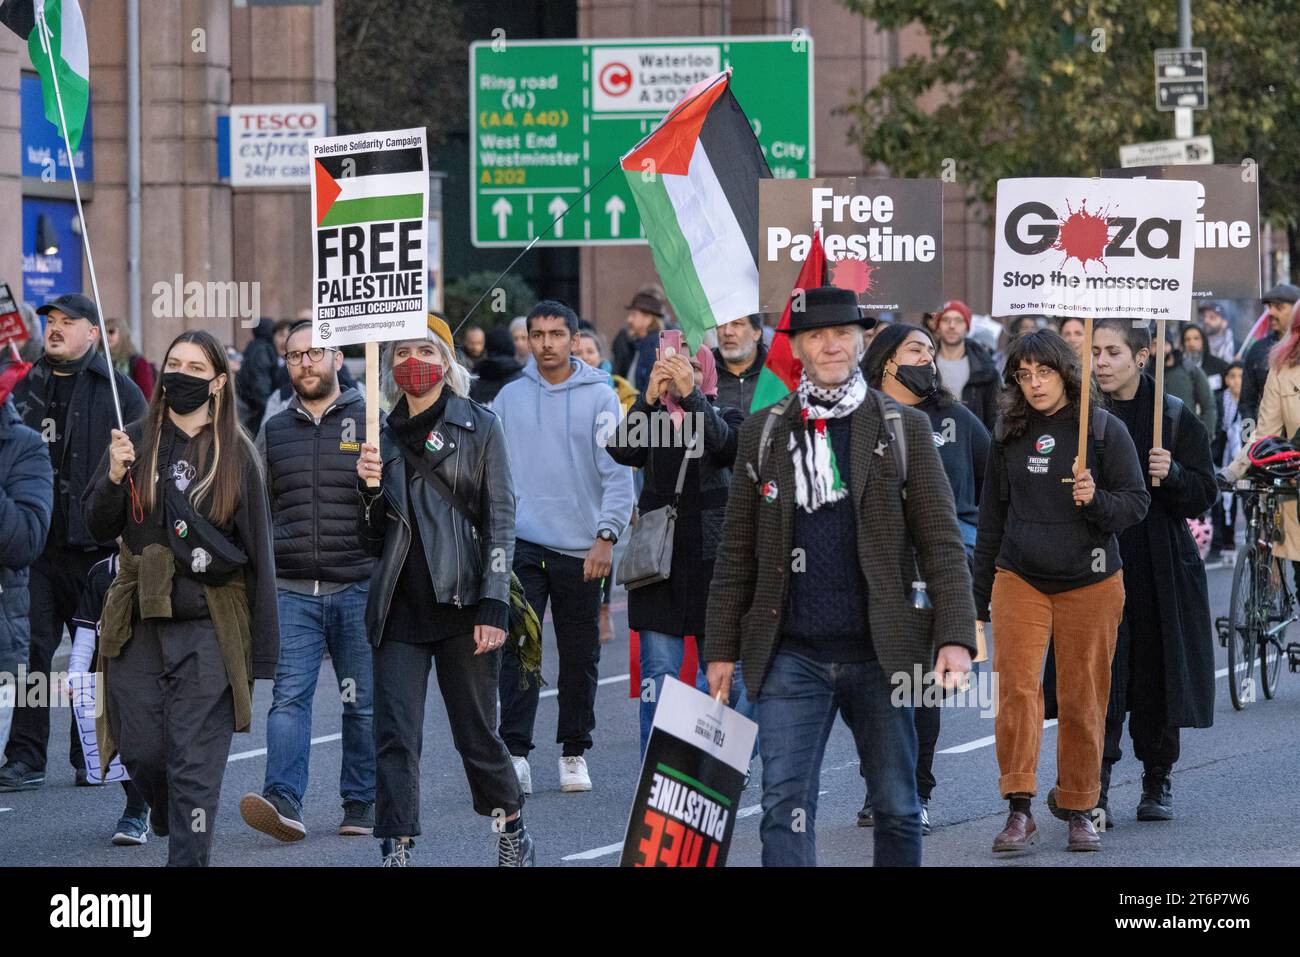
(614, 206)
(557, 209)
(502, 209)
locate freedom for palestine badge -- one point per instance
(434, 441)
(181, 528)
(769, 491)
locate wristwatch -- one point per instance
(607, 535)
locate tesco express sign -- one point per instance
(268, 143)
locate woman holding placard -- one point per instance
(1047, 565)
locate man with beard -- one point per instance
(740, 356)
(323, 580)
(68, 399)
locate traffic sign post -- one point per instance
(1180, 79)
(549, 119)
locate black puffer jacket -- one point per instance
(311, 474)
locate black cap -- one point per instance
(826, 306)
(1282, 292)
(72, 304)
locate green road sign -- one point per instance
(549, 118)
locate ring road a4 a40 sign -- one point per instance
(549, 118)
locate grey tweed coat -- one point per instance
(754, 559)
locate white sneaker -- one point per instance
(573, 774)
(524, 773)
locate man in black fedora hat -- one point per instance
(842, 556)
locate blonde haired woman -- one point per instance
(442, 525)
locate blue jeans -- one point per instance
(796, 711)
(308, 625)
(661, 656)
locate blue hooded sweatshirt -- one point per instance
(567, 488)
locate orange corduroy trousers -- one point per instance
(1082, 624)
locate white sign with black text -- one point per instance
(1094, 247)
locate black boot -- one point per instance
(1157, 802)
(1104, 797)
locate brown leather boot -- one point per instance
(1020, 832)
(1082, 835)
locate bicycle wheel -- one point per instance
(1241, 628)
(1279, 609)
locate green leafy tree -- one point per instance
(510, 297)
(1045, 87)
(401, 64)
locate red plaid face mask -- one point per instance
(416, 377)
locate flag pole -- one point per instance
(48, 47)
(617, 163)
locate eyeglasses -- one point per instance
(314, 354)
(1044, 375)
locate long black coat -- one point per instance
(679, 605)
(1181, 591)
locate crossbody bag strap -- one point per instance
(681, 473)
(434, 480)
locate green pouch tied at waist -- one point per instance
(525, 635)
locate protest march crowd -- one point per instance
(816, 510)
(228, 534)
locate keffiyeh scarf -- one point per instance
(816, 473)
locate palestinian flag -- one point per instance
(781, 371)
(695, 181)
(370, 187)
(58, 52)
(1259, 331)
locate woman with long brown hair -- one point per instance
(190, 620)
(126, 360)
(1047, 561)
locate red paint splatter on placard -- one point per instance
(854, 274)
(1083, 236)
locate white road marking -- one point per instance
(984, 742)
(552, 692)
(608, 849)
(259, 752)
(245, 755)
(990, 739)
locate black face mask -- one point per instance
(185, 393)
(918, 380)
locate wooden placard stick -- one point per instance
(1157, 432)
(1085, 395)
(372, 401)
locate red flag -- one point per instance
(781, 371)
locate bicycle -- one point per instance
(1262, 605)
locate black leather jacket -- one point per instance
(466, 562)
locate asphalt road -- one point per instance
(1235, 792)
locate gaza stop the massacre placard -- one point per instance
(1094, 247)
